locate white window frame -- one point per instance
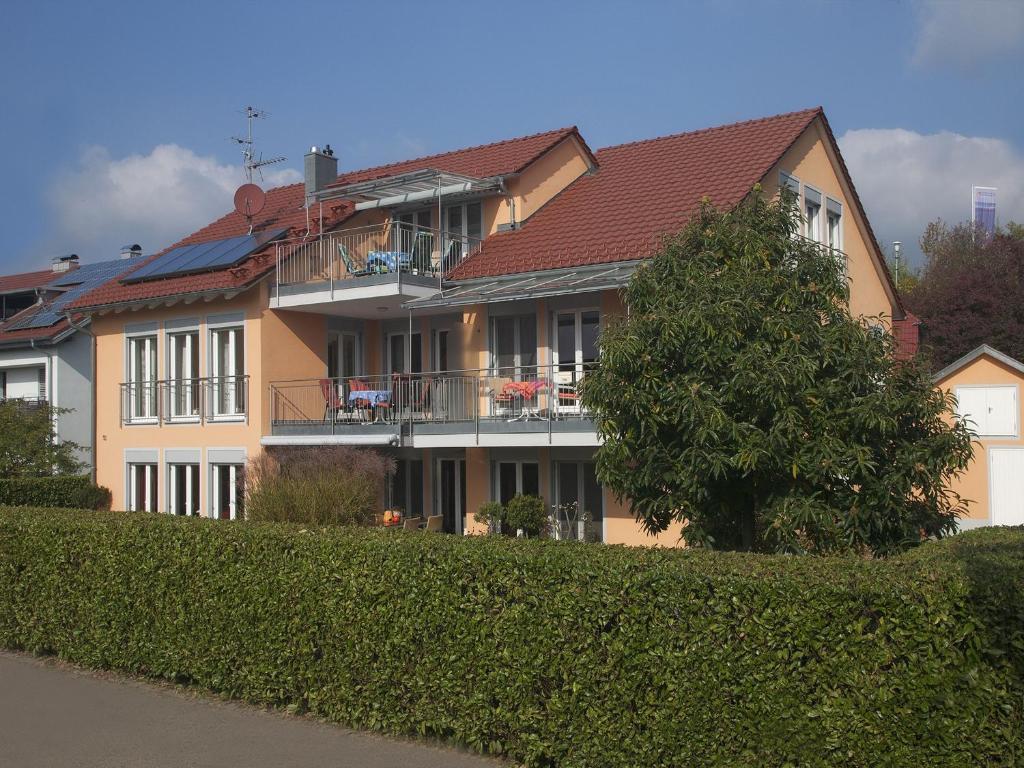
(193, 472)
(496, 484)
(561, 378)
(834, 210)
(1016, 410)
(338, 338)
(812, 221)
(580, 489)
(237, 407)
(407, 352)
(188, 380)
(150, 412)
(152, 483)
(234, 473)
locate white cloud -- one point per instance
(907, 179)
(963, 34)
(155, 199)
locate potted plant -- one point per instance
(527, 515)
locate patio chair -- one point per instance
(350, 266)
(332, 403)
(422, 252)
(412, 523)
(435, 524)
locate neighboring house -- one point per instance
(43, 356)
(443, 308)
(987, 386)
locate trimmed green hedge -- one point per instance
(553, 653)
(70, 491)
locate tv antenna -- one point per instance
(250, 161)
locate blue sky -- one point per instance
(117, 115)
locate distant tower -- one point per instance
(983, 208)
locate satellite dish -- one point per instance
(249, 200)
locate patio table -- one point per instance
(387, 261)
(376, 398)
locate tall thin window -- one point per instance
(142, 377)
(405, 490)
(183, 374)
(183, 489)
(228, 372)
(142, 487)
(812, 214)
(227, 491)
(517, 478)
(579, 499)
(404, 357)
(514, 345)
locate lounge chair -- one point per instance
(422, 250)
(412, 523)
(350, 266)
(435, 524)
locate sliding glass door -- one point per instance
(575, 350)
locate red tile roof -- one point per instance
(26, 281)
(640, 192)
(284, 208)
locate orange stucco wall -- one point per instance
(973, 484)
(278, 346)
(812, 162)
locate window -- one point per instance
(227, 491)
(440, 349)
(812, 214)
(514, 345)
(992, 411)
(516, 478)
(141, 391)
(464, 228)
(789, 182)
(183, 489)
(576, 335)
(403, 357)
(578, 498)
(142, 488)
(834, 229)
(343, 355)
(405, 491)
(183, 375)
(227, 380)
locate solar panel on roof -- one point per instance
(77, 283)
(203, 257)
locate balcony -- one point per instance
(185, 401)
(381, 264)
(536, 405)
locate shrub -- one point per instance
(315, 486)
(549, 653)
(491, 514)
(526, 513)
(74, 491)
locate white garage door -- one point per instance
(1006, 485)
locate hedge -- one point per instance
(71, 491)
(552, 653)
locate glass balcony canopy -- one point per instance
(402, 188)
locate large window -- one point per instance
(343, 355)
(227, 372)
(142, 487)
(183, 489)
(142, 388)
(514, 345)
(183, 374)
(464, 228)
(516, 478)
(576, 336)
(579, 500)
(403, 356)
(405, 489)
(227, 491)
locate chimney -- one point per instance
(321, 167)
(131, 251)
(65, 263)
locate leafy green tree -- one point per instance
(741, 397)
(28, 442)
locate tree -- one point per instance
(28, 442)
(740, 397)
(971, 291)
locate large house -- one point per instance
(45, 351)
(444, 309)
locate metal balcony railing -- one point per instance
(523, 393)
(389, 248)
(197, 400)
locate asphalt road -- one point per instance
(56, 715)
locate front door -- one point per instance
(451, 493)
(575, 350)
